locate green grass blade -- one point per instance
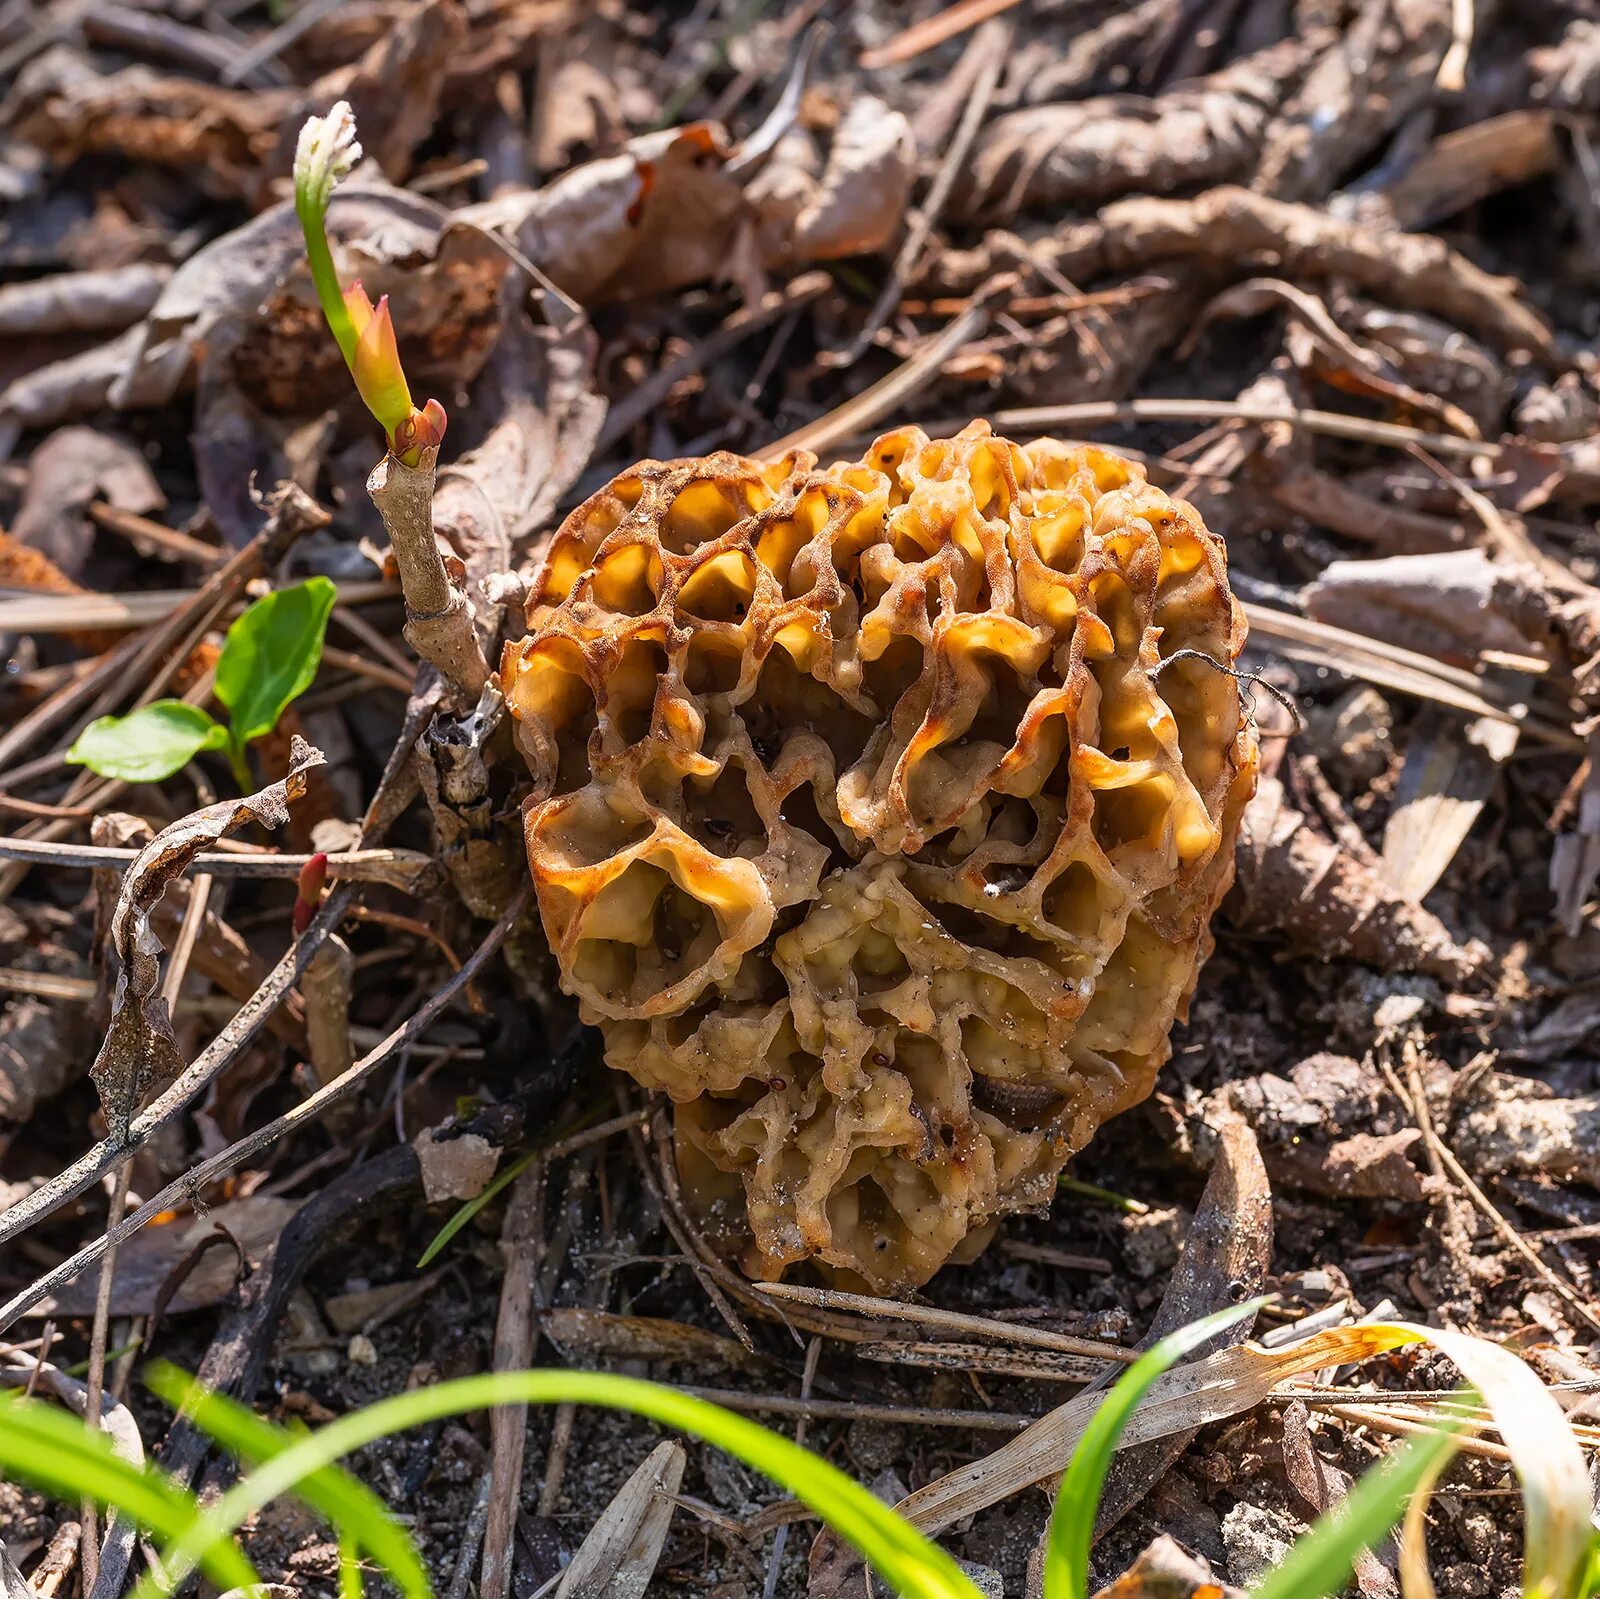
(350, 1581)
(1320, 1563)
(1066, 1556)
(909, 1562)
(57, 1454)
(355, 1512)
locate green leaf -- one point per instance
(910, 1563)
(360, 1517)
(271, 656)
(148, 744)
(1320, 1563)
(56, 1453)
(1066, 1555)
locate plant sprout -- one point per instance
(326, 151)
(268, 660)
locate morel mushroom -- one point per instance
(879, 813)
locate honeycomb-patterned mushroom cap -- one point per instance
(878, 817)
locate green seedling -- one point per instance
(364, 332)
(269, 659)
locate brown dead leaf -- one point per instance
(1089, 151)
(139, 1046)
(67, 471)
(1323, 1485)
(864, 189)
(147, 1260)
(1294, 880)
(1165, 1570)
(236, 142)
(43, 1047)
(1453, 604)
(105, 300)
(1225, 1259)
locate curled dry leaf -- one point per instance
(1295, 880)
(67, 471)
(233, 141)
(146, 1262)
(1083, 153)
(1248, 233)
(1365, 83)
(675, 207)
(100, 300)
(139, 1046)
(1453, 604)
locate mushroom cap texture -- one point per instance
(879, 814)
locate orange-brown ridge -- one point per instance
(879, 813)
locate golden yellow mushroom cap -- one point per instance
(879, 813)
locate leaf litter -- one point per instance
(1339, 300)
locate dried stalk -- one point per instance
(326, 989)
(438, 617)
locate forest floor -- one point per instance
(1326, 268)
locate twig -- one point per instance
(166, 544)
(993, 44)
(326, 989)
(105, 1156)
(1414, 1099)
(395, 868)
(1101, 413)
(1390, 666)
(882, 397)
(514, 1337)
(438, 619)
(68, 613)
(948, 1321)
(639, 402)
(911, 42)
(182, 1191)
(853, 1410)
(780, 1539)
(471, 1535)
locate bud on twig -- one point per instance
(438, 617)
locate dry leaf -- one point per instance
(67, 471)
(1088, 151)
(146, 1261)
(618, 1558)
(139, 1047)
(1546, 1454)
(1165, 1570)
(1449, 771)
(1295, 880)
(1454, 604)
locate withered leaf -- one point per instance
(139, 1046)
(67, 471)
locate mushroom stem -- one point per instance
(438, 618)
